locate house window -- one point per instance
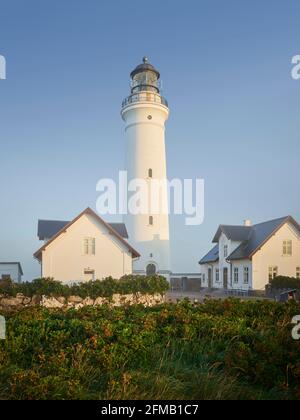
(298, 273)
(151, 220)
(287, 248)
(273, 272)
(246, 275)
(225, 251)
(236, 274)
(89, 246)
(89, 275)
(6, 277)
(150, 173)
(217, 275)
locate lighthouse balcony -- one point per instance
(145, 97)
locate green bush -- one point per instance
(216, 350)
(93, 289)
(284, 282)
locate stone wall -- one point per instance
(21, 301)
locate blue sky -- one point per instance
(226, 69)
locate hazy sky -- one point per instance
(226, 69)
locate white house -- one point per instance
(248, 257)
(87, 248)
(11, 270)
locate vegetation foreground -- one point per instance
(217, 350)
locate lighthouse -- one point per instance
(145, 112)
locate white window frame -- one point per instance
(246, 275)
(225, 251)
(236, 275)
(89, 246)
(273, 272)
(217, 275)
(287, 248)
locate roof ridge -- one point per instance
(53, 220)
(272, 220)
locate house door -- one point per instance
(210, 285)
(225, 278)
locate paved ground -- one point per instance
(174, 296)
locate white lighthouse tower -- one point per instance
(145, 113)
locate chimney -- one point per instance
(247, 222)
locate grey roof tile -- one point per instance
(251, 237)
(211, 256)
(48, 228)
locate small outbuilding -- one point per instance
(11, 270)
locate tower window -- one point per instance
(151, 220)
(150, 173)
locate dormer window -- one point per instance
(225, 251)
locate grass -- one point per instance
(221, 350)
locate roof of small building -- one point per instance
(235, 233)
(13, 263)
(48, 228)
(89, 211)
(252, 238)
(259, 235)
(212, 256)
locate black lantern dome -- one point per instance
(145, 77)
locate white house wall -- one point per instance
(271, 254)
(241, 285)
(64, 258)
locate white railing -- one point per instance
(145, 97)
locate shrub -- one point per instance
(284, 282)
(93, 289)
(220, 349)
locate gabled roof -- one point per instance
(252, 238)
(48, 228)
(259, 235)
(13, 263)
(88, 211)
(212, 256)
(235, 233)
